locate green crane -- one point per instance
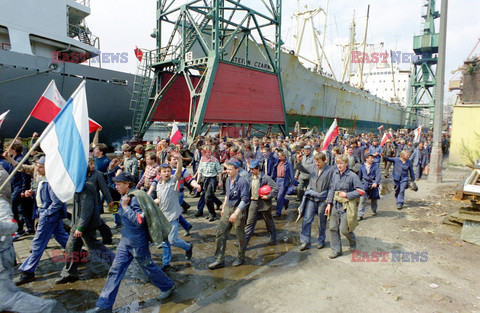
(204, 35)
(423, 78)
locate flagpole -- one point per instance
(25, 158)
(19, 132)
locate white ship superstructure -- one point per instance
(385, 82)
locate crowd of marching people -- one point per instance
(237, 181)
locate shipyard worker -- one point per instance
(168, 198)
(375, 150)
(11, 298)
(402, 169)
(150, 172)
(358, 151)
(134, 245)
(342, 206)
(209, 174)
(284, 179)
(233, 216)
(162, 150)
(389, 151)
(370, 176)
(419, 159)
(22, 206)
(260, 204)
(314, 200)
(85, 221)
(353, 161)
(101, 159)
(400, 147)
(130, 162)
(269, 162)
(51, 212)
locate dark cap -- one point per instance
(124, 177)
(368, 154)
(254, 164)
(234, 162)
(307, 147)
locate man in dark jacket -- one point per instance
(260, 204)
(134, 244)
(370, 176)
(21, 205)
(85, 220)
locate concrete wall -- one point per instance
(465, 123)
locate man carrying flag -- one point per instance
(63, 171)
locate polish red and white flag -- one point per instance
(176, 135)
(2, 117)
(331, 135)
(386, 136)
(380, 128)
(417, 132)
(50, 103)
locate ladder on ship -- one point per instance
(146, 96)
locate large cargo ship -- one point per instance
(36, 39)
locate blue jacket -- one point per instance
(419, 157)
(272, 166)
(101, 164)
(368, 179)
(401, 170)
(378, 149)
(20, 181)
(52, 207)
(238, 195)
(134, 226)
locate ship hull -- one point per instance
(23, 79)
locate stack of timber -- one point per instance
(468, 217)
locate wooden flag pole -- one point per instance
(19, 132)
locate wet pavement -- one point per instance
(194, 281)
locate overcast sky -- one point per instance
(124, 24)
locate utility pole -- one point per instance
(435, 174)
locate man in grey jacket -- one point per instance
(313, 202)
(85, 220)
(11, 298)
(260, 204)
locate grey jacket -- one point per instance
(318, 183)
(87, 204)
(306, 163)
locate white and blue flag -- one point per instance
(65, 143)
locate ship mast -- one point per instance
(304, 17)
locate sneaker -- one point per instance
(165, 294)
(360, 218)
(399, 208)
(189, 253)
(212, 218)
(18, 235)
(24, 278)
(187, 231)
(67, 279)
